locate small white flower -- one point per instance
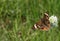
(54, 21)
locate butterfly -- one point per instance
(43, 23)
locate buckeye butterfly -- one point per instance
(43, 23)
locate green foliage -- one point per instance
(18, 16)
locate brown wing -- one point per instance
(44, 27)
(40, 25)
(43, 24)
(35, 26)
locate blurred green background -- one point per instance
(18, 16)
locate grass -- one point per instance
(18, 16)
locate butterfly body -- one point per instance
(43, 23)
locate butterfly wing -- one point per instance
(44, 28)
(43, 24)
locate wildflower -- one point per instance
(53, 21)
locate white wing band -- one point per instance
(35, 26)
